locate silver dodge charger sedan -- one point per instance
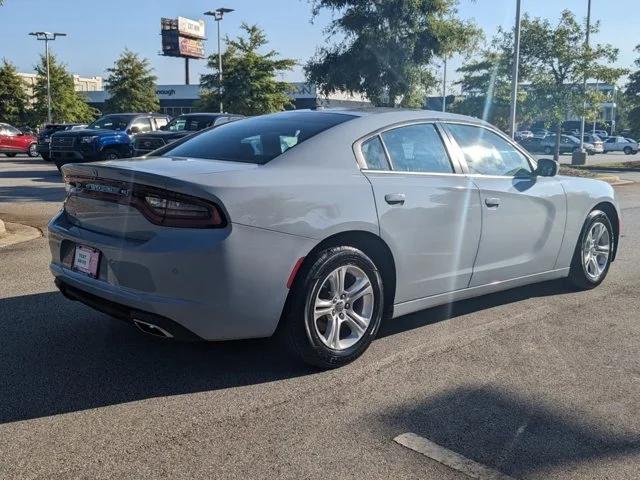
(317, 225)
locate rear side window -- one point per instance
(160, 122)
(487, 153)
(373, 153)
(257, 139)
(417, 148)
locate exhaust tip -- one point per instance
(151, 329)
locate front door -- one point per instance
(523, 215)
(429, 212)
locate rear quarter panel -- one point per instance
(583, 194)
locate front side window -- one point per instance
(487, 153)
(373, 153)
(256, 139)
(417, 148)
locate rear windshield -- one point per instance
(257, 139)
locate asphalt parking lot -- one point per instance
(538, 382)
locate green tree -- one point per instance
(486, 85)
(249, 80)
(13, 96)
(632, 99)
(384, 49)
(131, 85)
(67, 105)
(558, 62)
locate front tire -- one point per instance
(336, 308)
(110, 154)
(547, 150)
(627, 150)
(593, 253)
(45, 157)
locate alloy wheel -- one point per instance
(596, 247)
(343, 307)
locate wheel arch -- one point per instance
(371, 245)
(612, 213)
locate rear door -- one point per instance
(429, 212)
(4, 138)
(523, 215)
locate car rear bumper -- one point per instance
(218, 284)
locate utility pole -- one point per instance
(514, 73)
(47, 37)
(581, 158)
(444, 85)
(218, 15)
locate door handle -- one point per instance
(394, 198)
(492, 202)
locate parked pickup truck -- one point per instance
(178, 128)
(108, 138)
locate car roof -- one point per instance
(393, 114)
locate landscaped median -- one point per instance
(631, 166)
(575, 171)
(12, 233)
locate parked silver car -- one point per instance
(319, 224)
(621, 144)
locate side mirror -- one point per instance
(547, 168)
(163, 127)
(134, 130)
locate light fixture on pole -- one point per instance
(514, 73)
(218, 15)
(47, 37)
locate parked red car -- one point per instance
(13, 142)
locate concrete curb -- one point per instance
(603, 168)
(17, 233)
(3, 230)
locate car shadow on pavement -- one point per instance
(58, 356)
(31, 194)
(515, 435)
(464, 307)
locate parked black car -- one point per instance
(179, 127)
(44, 137)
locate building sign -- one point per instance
(191, 28)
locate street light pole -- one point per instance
(514, 73)
(218, 15)
(47, 37)
(584, 81)
(444, 85)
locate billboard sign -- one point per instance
(191, 47)
(191, 28)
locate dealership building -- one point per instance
(178, 99)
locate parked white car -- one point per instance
(621, 144)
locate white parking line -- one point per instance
(449, 458)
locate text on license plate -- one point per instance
(86, 260)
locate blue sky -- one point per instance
(99, 31)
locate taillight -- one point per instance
(159, 206)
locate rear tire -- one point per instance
(10, 155)
(591, 262)
(33, 150)
(335, 308)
